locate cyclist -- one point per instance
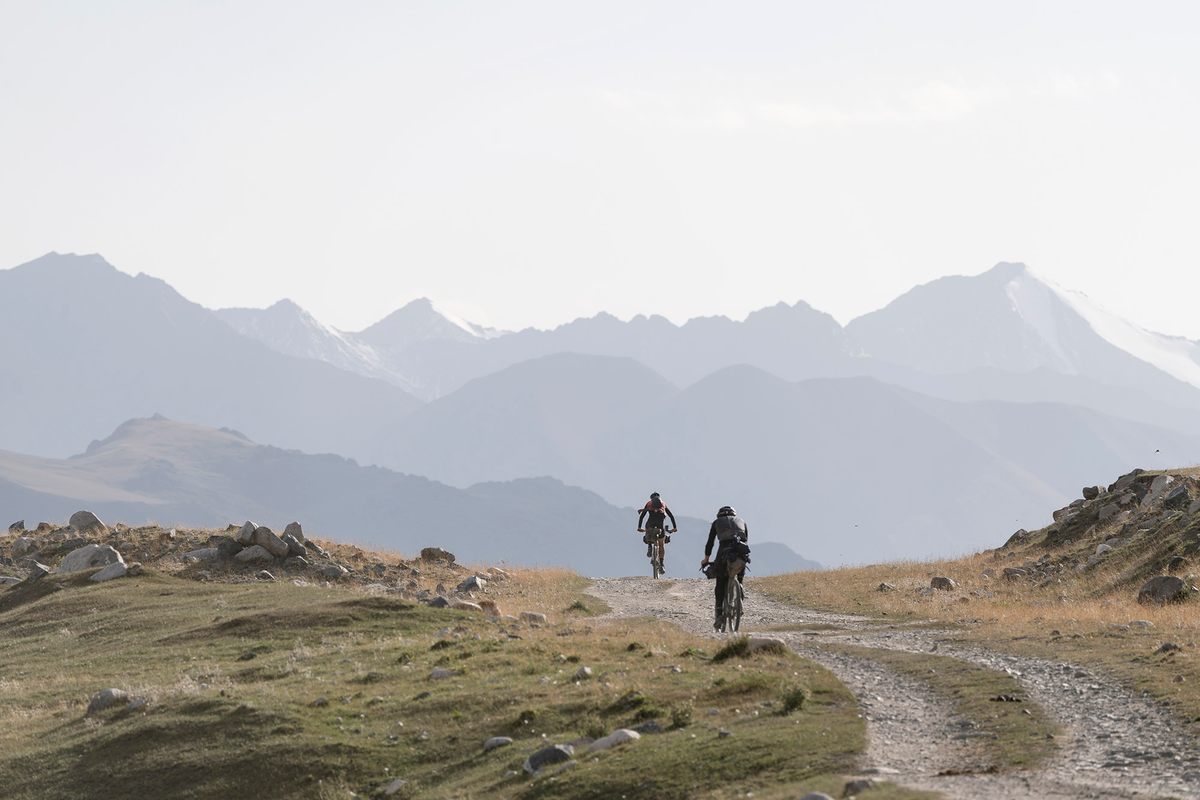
(728, 529)
(655, 513)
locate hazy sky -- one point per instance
(526, 163)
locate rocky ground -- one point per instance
(1115, 743)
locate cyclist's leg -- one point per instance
(719, 590)
(662, 549)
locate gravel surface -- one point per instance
(1116, 743)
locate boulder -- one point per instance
(583, 673)
(106, 699)
(1194, 508)
(495, 742)
(1158, 487)
(437, 554)
(472, 584)
(87, 522)
(533, 618)
(9, 580)
(1126, 481)
(294, 530)
(1091, 492)
(228, 547)
(620, 736)
(943, 584)
(548, 756)
(254, 554)
(1177, 564)
(267, 540)
(114, 570)
(1179, 497)
(438, 602)
(296, 562)
(295, 548)
(1163, 589)
(203, 554)
(466, 605)
(334, 572)
(17, 527)
(23, 545)
(490, 608)
(1018, 537)
(37, 571)
(89, 557)
(1108, 511)
(135, 569)
(245, 534)
(1101, 549)
(765, 644)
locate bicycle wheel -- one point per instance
(737, 605)
(654, 567)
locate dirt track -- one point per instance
(1117, 744)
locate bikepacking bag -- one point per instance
(738, 549)
(710, 571)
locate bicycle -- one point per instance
(735, 593)
(656, 543)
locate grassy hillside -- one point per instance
(298, 689)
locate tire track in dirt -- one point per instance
(1118, 744)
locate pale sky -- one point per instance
(525, 163)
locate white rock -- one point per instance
(89, 557)
(496, 741)
(84, 521)
(267, 540)
(106, 699)
(613, 739)
(245, 534)
(109, 573)
(390, 789)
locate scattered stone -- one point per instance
(1141, 623)
(1101, 549)
(943, 584)
(466, 605)
(723, 734)
(254, 553)
(87, 522)
(490, 608)
(112, 571)
(17, 527)
(203, 554)
(548, 756)
(649, 726)
(533, 617)
(1194, 508)
(1108, 511)
(1163, 589)
(1158, 488)
(583, 673)
(1167, 647)
(496, 742)
(617, 737)
(106, 699)
(264, 575)
(320, 702)
(1177, 564)
(1015, 573)
(89, 557)
(860, 785)
(9, 580)
(472, 584)
(1089, 493)
(23, 545)
(886, 587)
(437, 602)
(1177, 497)
(816, 796)
(37, 571)
(1017, 538)
(441, 673)
(437, 554)
(390, 789)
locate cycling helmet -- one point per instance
(654, 495)
(726, 511)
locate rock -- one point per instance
(886, 587)
(87, 522)
(765, 644)
(9, 580)
(263, 575)
(334, 572)
(465, 605)
(203, 554)
(37, 571)
(1125, 481)
(583, 673)
(296, 562)
(1177, 564)
(135, 569)
(816, 796)
(1015, 573)
(294, 530)
(23, 545)
(943, 584)
(490, 608)
(441, 673)
(115, 570)
(390, 789)
(859, 785)
(1101, 549)
(254, 553)
(267, 540)
(1177, 497)
(106, 699)
(1108, 511)
(245, 534)
(495, 742)
(437, 602)
(437, 554)
(89, 557)
(547, 756)
(649, 726)
(1141, 623)
(295, 548)
(533, 618)
(472, 584)
(1158, 487)
(1017, 538)
(315, 549)
(228, 547)
(17, 527)
(1163, 589)
(620, 736)
(1167, 647)
(1089, 493)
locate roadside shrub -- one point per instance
(794, 699)
(579, 606)
(681, 715)
(734, 648)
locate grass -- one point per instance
(278, 690)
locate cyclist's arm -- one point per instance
(746, 533)
(712, 537)
(672, 516)
(641, 516)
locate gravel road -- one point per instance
(1117, 743)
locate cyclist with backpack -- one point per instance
(732, 532)
(655, 513)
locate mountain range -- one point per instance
(1000, 392)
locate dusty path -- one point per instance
(1117, 744)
